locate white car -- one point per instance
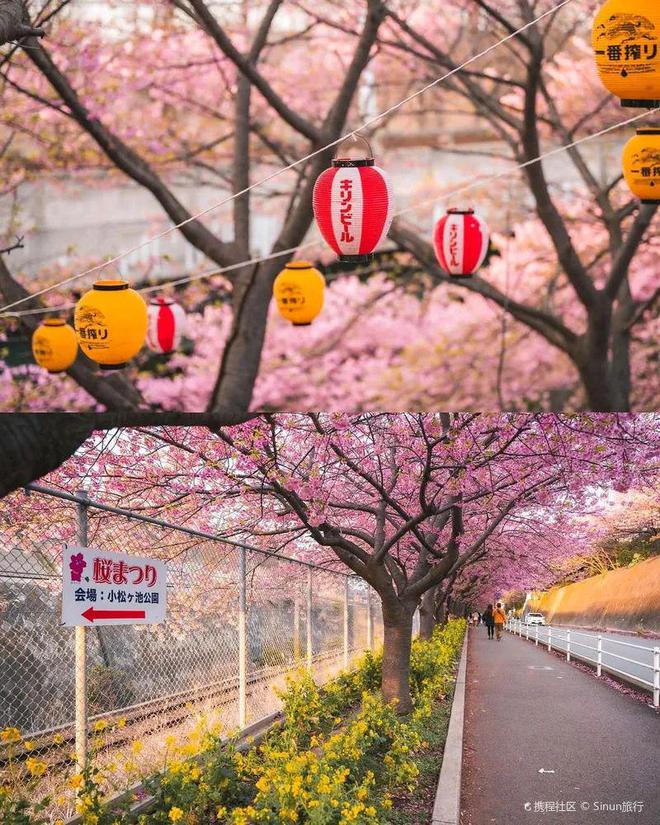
(535, 618)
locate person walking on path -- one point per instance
(499, 617)
(489, 621)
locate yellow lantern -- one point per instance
(298, 291)
(626, 39)
(111, 323)
(641, 164)
(54, 345)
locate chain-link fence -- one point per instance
(238, 620)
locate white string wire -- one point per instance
(304, 159)
(420, 205)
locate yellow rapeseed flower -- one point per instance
(175, 814)
(58, 739)
(137, 747)
(10, 735)
(100, 725)
(76, 781)
(36, 767)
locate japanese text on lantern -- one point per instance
(453, 244)
(346, 210)
(633, 51)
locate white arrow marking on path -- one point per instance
(543, 770)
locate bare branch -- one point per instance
(17, 245)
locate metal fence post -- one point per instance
(656, 677)
(310, 637)
(296, 628)
(81, 655)
(242, 639)
(568, 645)
(527, 632)
(346, 620)
(370, 622)
(549, 639)
(599, 664)
(537, 635)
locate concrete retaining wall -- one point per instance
(625, 599)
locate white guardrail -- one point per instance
(595, 649)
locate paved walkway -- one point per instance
(526, 711)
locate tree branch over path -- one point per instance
(31, 445)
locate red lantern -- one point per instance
(167, 323)
(461, 242)
(353, 207)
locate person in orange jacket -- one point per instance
(499, 617)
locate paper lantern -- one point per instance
(166, 325)
(626, 39)
(353, 207)
(111, 323)
(298, 291)
(54, 345)
(641, 164)
(461, 242)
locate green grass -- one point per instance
(415, 808)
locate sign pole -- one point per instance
(242, 642)
(81, 655)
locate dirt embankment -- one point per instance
(625, 599)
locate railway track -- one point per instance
(55, 746)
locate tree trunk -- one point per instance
(427, 614)
(253, 290)
(620, 366)
(596, 380)
(397, 640)
(607, 385)
(442, 597)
